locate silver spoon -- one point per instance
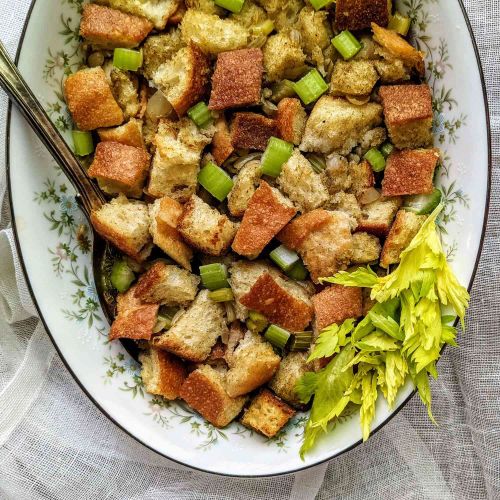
(89, 196)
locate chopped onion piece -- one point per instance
(158, 106)
(369, 196)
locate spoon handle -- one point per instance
(89, 196)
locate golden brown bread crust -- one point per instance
(129, 133)
(222, 148)
(277, 304)
(300, 228)
(335, 304)
(252, 131)
(362, 178)
(410, 172)
(171, 374)
(177, 16)
(403, 230)
(237, 79)
(90, 100)
(124, 166)
(148, 280)
(358, 14)
(209, 399)
(290, 120)
(406, 103)
(135, 320)
(267, 414)
(167, 237)
(199, 70)
(263, 219)
(112, 28)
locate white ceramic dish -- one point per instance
(53, 243)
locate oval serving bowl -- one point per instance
(54, 243)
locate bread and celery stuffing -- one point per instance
(270, 172)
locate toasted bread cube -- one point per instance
(162, 373)
(399, 48)
(336, 175)
(315, 33)
(408, 114)
(244, 187)
(125, 224)
(184, 78)
(204, 391)
(156, 11)
(354, 77)
(390, 69)
(359, 14)
(377, 217)
(335, 304)
(345, 202)
(302, 184)
(251, 364)
(365, 248)
(267, 414)
(176, 162)
(119, 168)
(323, 239)
(372, 139)
(110, 28)
(211, 33)
(159, 49)
(283, 58)
(336, 125)
(206, 6)
(205, 228)
(194, 333)
(403, 230)
(362, 178)
(279, 303)
(165, 214)
(237, 79)
(252, 131)
(222, 148)
(124, 86)
(135, 319)
(129, 134)
(244, 275)
(267, 213)
(291, 120)
(165, 284)
(250, 14)
(294, 234)
(90, 100)
(291, 369)
(410, 172)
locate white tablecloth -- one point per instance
(55, 444)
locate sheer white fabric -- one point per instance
(55, 444)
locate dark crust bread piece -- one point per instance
(237, 79)
(300, 228)
(335, 304)
(410, 172)
(290, 120)
(269, 422)
(252, 131)
(90, 100)
(277, 304)
(176, 17)
(208, 398)
(135, 320)
(125, 165)
(198, 78)
(222, 148)
(358, 14)
(263, 219)
(171, 376)
(112, 28)
(149, 279)
(406, 103)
